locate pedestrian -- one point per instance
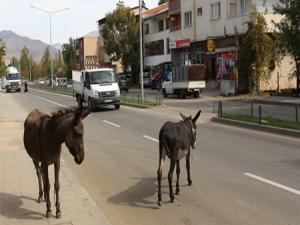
(25, 89)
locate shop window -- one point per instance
(215, 11)
(199, 12)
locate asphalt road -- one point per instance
(239, 176)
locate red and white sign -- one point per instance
(183, 43)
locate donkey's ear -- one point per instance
(197, 116)
(183, 117)
(85, 112)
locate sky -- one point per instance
(78, 20)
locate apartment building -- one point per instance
(156, 37)
(87, 51)
(207, 32)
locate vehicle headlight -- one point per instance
(118, 92)
(96, 93)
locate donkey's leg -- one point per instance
(56, 187)
(39, 174)
(46, 189)
(177, 173)
(170, 178)
(162, 157)
(188, 167)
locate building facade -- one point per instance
(156, 37)
(87, 51)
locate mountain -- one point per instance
(15, 43)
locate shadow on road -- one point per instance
(137, 195)
(11, 207)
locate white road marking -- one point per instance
(280, 186)
(111, 123)
(46, 100)
(151, 138)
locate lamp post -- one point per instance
(30, 59)
(141, 51)
(50, 13)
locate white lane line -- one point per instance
(280, 186)
(150, 138)
(49, 101)
(111, 123)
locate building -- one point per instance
(207, 32)
(156, 37)
(87, 51)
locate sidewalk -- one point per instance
(18, 181)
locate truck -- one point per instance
(12, 81)
(184, 81)
(96, 87)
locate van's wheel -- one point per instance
(196, 94)
(182, 94)
(117, 107)
(164, 93)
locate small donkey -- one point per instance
(175, 140)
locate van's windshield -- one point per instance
(102, 77)
(13, 77)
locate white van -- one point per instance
(96, 87)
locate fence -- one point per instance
(260, 110)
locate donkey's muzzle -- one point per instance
(79, 157)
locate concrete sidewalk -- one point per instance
(18, 181)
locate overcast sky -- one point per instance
(80, 19)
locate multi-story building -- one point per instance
(87, 51)
(156, 37)
(207, 32)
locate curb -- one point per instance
(260, 127)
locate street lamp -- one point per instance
(141, 51)
(30, 56)
(50, 17)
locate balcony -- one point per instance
(175, 28)
(174, 7)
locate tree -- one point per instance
(24, 63)
(121, 37)
(15, 62)
(2, 62)
(59, 65)
(289, 30)
(69, 57)
(257, 55)
(46, 62)
(160, 2)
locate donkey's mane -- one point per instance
(61, 112)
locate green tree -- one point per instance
(69, 57)
(257, 55)
(46, 62)
(2, 62)
(121, 37)
(160, 2)
(15, 62)
(289, 30)
(24, 63)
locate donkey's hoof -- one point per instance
(190, 182)
(40, 199)
(159, 203)
(172, 199)
(48, 214)
(177, 192)
(58, 215)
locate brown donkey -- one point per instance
(43, 137)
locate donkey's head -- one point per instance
(191, 122)
(74, 138)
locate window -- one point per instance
(199, 12)
(147, 29)
(188, 19)
(232, 8)
(160, 25)
(167, 23)
(154, 48)
(215, 10)
(168, 46)
(245, 7)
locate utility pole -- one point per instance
(50, 13)
(141, 52)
